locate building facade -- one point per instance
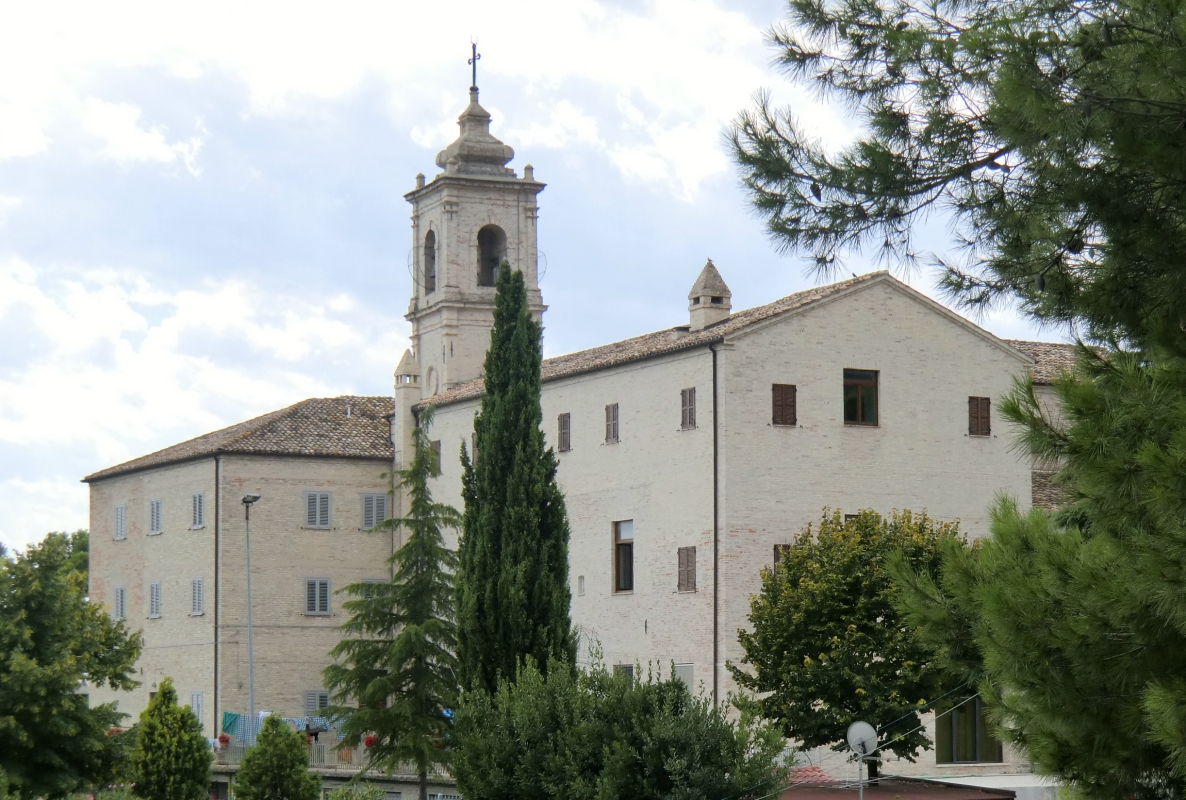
(688, 457)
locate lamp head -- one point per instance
(250, 498)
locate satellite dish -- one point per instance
(862, 738)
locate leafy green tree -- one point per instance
(1078, 619)
(79, 544)
(171, 760)
(827, 645)
(399, 664)
(1049, 132)
(51, 639)
(277, 767)
(357, 791)
(513, 597)
(587, 735)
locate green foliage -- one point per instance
(827, 646)
(115, 793)
(51, 742)
(171, 760)
(593, 735)
(1079, 618)
(357, 791)
(399, 665)
(277, 767)
(1050, 131)
(513, 597)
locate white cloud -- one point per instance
(118, 126)
(34, 508)
(148, 389)
(689, 65)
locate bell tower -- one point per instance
(467, 221)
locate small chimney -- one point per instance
(710, 300)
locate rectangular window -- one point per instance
(199, 510)
(154, 599)
(374, 510)
(197, 597)
(436, 454)
(687, 569)
(564, 433)
(684, 673)
(370, 586)
(624, 556)
(784, 409)
(317, 509)
(121, 531)
(580, 586)
(625, 669)
(962, 735)
(611, 423)
(978, 424)
(317, 595)
(860, 397)
(687, 405)
(154, 517)
(119, 604)
(195, 705)
(781, 550)
(315, 701)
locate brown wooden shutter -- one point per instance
(564, 424)
(978, 416)
(783, 404)
(687, 569)
(436, 452)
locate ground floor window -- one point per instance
(962, 735)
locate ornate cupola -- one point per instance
(710, 300)
(467, 221)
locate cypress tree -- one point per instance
(403, 674)
(513, 596)
(171, 760)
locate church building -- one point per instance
(688, 456)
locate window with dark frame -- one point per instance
(963, 736)
(686, 558)
(851, 517)
(783, 404)
(860, 397)
(611, 423)
(625, 669)
(978, 416)
(779, 551)
(687, 400)
(624, 556)
(436, 456)
(564, 433)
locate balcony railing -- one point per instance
(322, 756)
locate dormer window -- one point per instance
(716, 301)
(430, 262)
(492, 251)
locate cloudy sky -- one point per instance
(202, 214)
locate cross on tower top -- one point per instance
(474, 63)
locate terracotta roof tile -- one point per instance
(316, 427)
(1051, 359)
(661, 342)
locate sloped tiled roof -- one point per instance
(661, 342)
(316, 427)
(1051, 359)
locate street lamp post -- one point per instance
(248, 500)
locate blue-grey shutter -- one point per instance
(323, 510)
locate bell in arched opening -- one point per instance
(492, 251)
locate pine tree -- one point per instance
(1049, 131)
(171, 760)
(277, 767)
(399, 664)
(513, 596)
(1078, 619)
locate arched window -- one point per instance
(492, 251)
(430, 262)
